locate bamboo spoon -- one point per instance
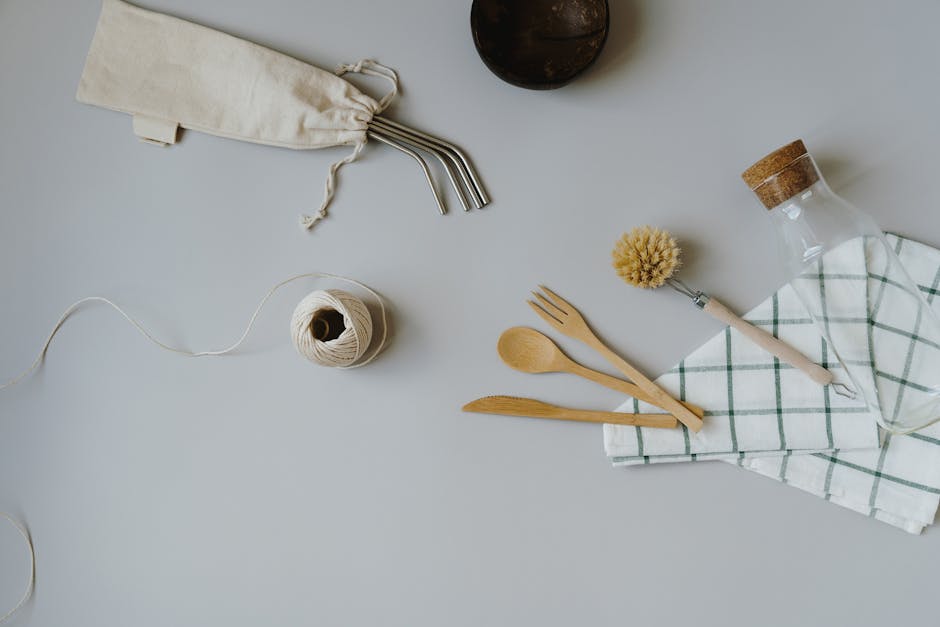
(564, 318)
(531, 408)
(527, 350)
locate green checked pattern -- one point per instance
(891, 352)
(898, 483)
(766, 417)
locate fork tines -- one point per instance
(552, 308)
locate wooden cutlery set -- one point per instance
(528, 350)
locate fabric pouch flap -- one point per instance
(155, 130)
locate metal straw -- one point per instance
(463, 178)
(424, 166)
(421, 145)
(477, 185)
(435, 147)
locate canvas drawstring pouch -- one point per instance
(168, 74)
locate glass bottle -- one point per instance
(876, 321)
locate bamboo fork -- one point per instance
(564, 318)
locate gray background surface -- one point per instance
(261, 489)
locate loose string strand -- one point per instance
(28, 592)
(209, 353)
(368, 67)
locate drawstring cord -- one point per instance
(368, 67)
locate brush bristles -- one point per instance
(646, 257)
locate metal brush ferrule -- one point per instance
(699, 298)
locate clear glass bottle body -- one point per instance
(876, 321)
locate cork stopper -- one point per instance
(782, 174)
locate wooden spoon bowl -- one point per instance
(527, 350)
(539, 44)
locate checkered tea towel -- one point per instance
(754, 404)
(898, 483)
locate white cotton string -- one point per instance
(368, 67)
(28, 592)
(297, 338)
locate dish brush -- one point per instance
(649, 257)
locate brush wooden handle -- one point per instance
(624, 386)
(769, 343)
(656, 394)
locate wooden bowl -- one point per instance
(539, 44)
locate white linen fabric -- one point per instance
(767, 422)
(170, 73)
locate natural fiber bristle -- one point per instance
(646, 257)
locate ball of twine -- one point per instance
(342, 346)
(314, 338)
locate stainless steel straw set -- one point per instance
(463, 178)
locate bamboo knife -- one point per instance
(531, 408)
